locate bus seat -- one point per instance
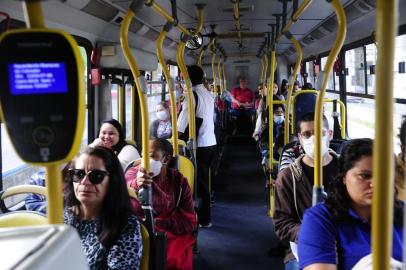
(145, 248)
(182, 146)
(22, 218)
(145, 238)
(20, 189)
(188, 170)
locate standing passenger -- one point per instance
(336, 234)
(111, 136)
(294, 185)
(98, 206)
(206, 140)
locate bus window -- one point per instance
(114, 101)
(354, 62)
(154, 96)
(371, 53)
(330, 85)
(128, 116)
(399, 87)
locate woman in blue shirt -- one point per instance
(336, 234)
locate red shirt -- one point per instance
(242, 95)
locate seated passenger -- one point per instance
(284, 88)
(36, 202)
(276, 92)
(294, 185)
(111, 136)
(172, 203)
(162, 127)
(336, 234)
(401, 163)
(243, 99)
(98, 206)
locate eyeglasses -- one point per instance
(95, 177)
(309, 133)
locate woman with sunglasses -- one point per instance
(98, 206)
(111, 136)
(172, 203)
(336, 234)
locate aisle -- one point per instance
(242, 231)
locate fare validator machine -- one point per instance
(42, 102)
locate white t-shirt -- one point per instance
(204, 110)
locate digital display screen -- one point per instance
(37, 78)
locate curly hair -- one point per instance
(116, 207)
(338, 200)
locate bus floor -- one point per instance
(242, 231)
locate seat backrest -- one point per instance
(187, 168)
(22, 218)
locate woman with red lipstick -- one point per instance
(111, 136)
(98, 206)
(336, 234)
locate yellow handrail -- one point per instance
(342, 110)
(290, 89)
(141, 88)
(224, 77)
(161, 11)
(295, 17)
(261, 79)
(199, 58)
(165, 70)
(383, 163)
(213, 70)
(265, 68)
(220, 79)
(318, 117)
(133, 122)
(270, 139)
(34, 17)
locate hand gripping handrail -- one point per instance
(145, 193)
(292, 80)
(382, 199)
(318, 190)
(165, 70)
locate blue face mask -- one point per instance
(278, 119)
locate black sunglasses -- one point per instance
(95, 177)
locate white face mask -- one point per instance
(308, 146)
(155, 167)
(278, 119)
(162, 115)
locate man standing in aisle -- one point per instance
(206, 139)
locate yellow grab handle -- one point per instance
(141, 87)
(318, 117)
(220, 79)
(213, 70)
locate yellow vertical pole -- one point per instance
(224, 77)
(220, 77)
(291, 81)
(199, 58)
(383, 163)
(161, 58)
(34, 19)
(318, 117)
(213, 69)
(133, 112)
(141, 88)
(270, 139)
(265, 68)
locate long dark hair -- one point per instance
(116, 207)
(282, 89)
(338, 200)
(121, 140)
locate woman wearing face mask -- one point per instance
(336, 234)
(162, 126)
(172, 203)
(111, 136)
(98, 206)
